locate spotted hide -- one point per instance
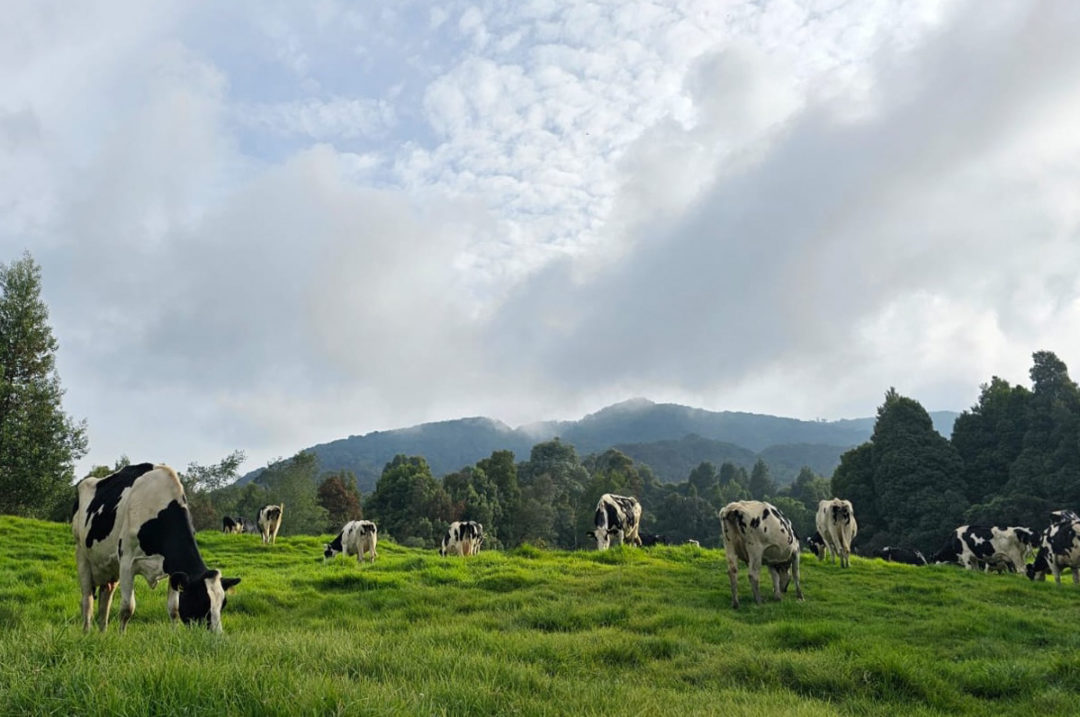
(463, 537)
(1059, 548)
(816, 544)
(617, 517)
(269, 522)
(907, 556)
(757, 533)
(356, 538)
(136, 522)
(228, 525)
(835, 521)
(978, 547)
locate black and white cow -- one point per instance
(228, 525)
(1059, 548)
(269, 521)
(758, 534)
(835, 522)
(907, 556)
(978, 546)
(648, 539)
(463, 537)
(356, 538)
(617, 516)
(136, 522)
(816, 544)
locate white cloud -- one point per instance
(269, 227)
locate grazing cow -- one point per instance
(758, 533)
(136, 522)
(356, 538)
(693, 542)
(907, 556)
(648, 539)
(228, 525)
(270, 521)
(463, 537)
(835, 522)
(616, 516)
(816, 544)
(977, 546)
(1059, 548)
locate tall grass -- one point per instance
(629, 631)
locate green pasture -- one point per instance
(625, 632)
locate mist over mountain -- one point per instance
(669, 438)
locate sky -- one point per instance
(263, 226)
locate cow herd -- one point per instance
(136, 522)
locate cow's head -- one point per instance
(602, 536)
(329, 551)
(201, 599)
(1038, 569)
(817, 545)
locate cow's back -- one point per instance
(99, 521)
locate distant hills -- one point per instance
(669, 438)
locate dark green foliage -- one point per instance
(338, 496)
(39, 443)
(199, 484)
(906, 483)
(408, 503)
(761, 483)
(292, 484)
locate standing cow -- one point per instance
(463, 537)
(835, 521)
(758, 534)
(616, 516)
(356, 538)
(136, 522)
(269, 522)
(1059, 548)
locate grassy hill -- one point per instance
(628, 631)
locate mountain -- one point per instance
(670, 434)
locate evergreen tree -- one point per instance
(409, 504)
(39, 443)
(761, 483)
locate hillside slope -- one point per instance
(535, 632)
(451, 445)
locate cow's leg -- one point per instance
(795, 576)
(1076, 576)
(173, 603)
(86, 584)
(775, 575)
(733, 576)
(127, 595)
(105, 603)
(1056, 570)
(754, 569)
(373, 553)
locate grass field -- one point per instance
(626, 632)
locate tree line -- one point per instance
(1012, 458)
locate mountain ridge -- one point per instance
(451, 444)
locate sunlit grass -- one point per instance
(535, 632)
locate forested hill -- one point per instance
(669, 438)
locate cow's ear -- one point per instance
(229, 583)
(178, 581)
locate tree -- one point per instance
(39, 443)
(905, 483)
(292, 483)
(761, 483)
(200, 482)
(408, 503)
(339, 496)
